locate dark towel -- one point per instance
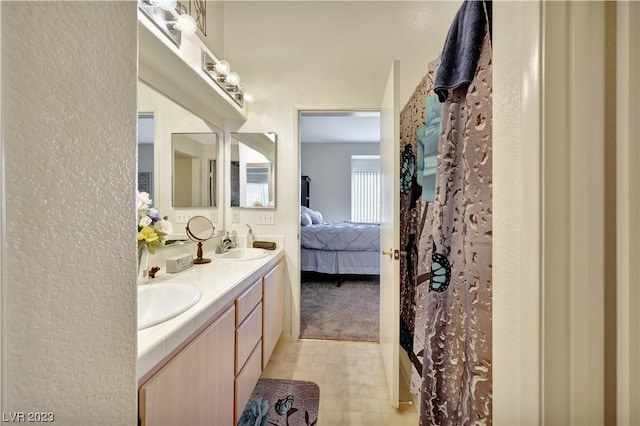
(267, 245)
(462, 47)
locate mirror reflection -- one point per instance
(195, 165)
(166, 131)
(253, 163)
(145, 154)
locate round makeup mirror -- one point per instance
(200, 229)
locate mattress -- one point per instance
(341, 236)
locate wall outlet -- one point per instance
(266, 218)
(182, 216)
(235, 216)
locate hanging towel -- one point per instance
(462, 47)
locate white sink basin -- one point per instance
(243, 253)
(160, 302)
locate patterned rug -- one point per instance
(282, 403)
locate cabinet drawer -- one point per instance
(247, 380)
(247, 335)
(247, 301)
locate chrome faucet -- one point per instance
(228, 242)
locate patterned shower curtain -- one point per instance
(420, 128)
(457, 363)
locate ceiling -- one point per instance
(340, 127)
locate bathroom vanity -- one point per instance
(201, 366)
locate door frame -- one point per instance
(296, 112)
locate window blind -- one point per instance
(365, 188)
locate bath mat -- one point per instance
(282, 403)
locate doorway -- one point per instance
(339, 225)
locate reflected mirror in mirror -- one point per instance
(195, 164)
(145, 154)
(253, 164)
(200, 229)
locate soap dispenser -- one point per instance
(250, 238)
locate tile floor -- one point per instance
(353, 389)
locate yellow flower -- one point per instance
(148, 234)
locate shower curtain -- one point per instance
(420, 127)
(457, 363)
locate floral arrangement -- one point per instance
(152, 230)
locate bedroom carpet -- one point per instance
(282, 402)
(349, 312)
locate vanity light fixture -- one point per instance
(222, 67)
(183, 22)
(167, 5)
(233, 78)
(186, 24)
(229, 81)
(248, 97)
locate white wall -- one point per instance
(516, 247)
(69, 152)
(329, 167)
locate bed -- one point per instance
(340, 248)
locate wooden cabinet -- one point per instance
(273, 307)
(209, 382)
(305, 183)
(194, 388)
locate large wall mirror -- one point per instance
(195, 169)
(179, 159)
(253, 170)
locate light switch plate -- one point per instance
(235, 216)
(266, 218)
(214, 217)
(182, 216)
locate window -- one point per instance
(258, 185)
(365, 188)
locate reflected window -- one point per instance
(258, 184)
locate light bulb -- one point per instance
(186, 24)
(222, 67)
(248, 97)
(167, 5)
(233, 78)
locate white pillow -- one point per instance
(305, 220)
(316, 217)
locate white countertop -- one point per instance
(220, 282)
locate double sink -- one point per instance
(160, 302)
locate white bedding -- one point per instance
(340, 262)
(341, 236)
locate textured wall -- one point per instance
(69, 120)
